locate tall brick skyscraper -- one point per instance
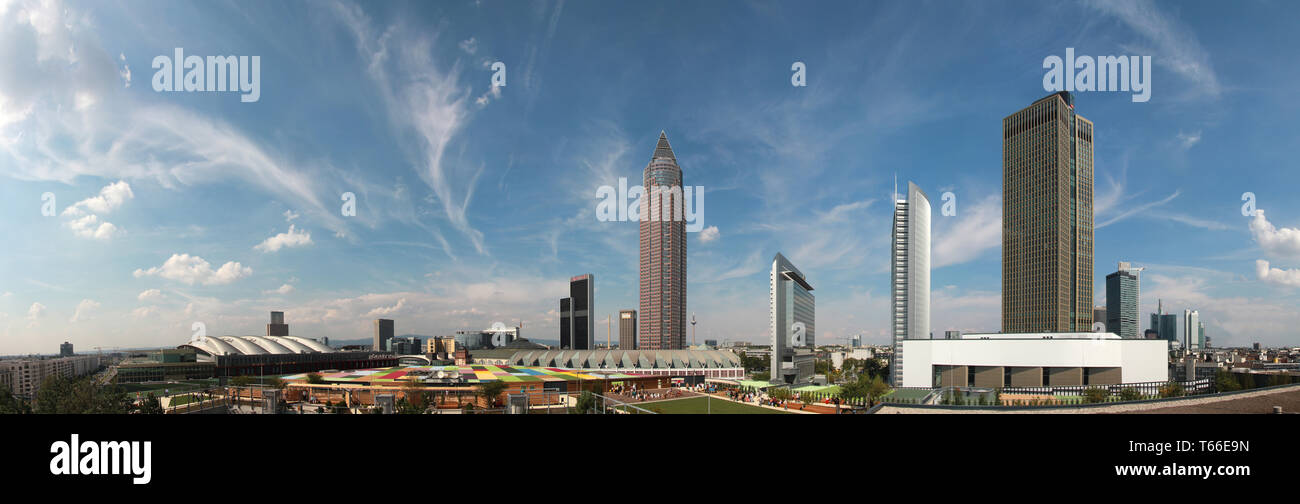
(1047, 218)
(663, 254)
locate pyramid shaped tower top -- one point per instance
(663, 150)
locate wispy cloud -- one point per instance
(1173, 44)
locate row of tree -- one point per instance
(63, 395)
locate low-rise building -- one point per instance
(1034, 360)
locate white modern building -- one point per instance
(911, 272)
(793, 324)
(1034, 360)
(1191, 330)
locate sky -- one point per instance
(475, 203)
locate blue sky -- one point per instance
(476, 206)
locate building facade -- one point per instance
(793, 323)
(627, 330)
(383, 333)
(577, 327)
(1192, 330)
(277, 327)
(1035, 360)
(663, 254)
(26, 375)
(1047, 218)
(1122, 292)
(65, 350)
(910, 270)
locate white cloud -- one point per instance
(84, 309)
(150, 295)
(1187, 140)
(430, 102)
(289, 215)
(34, 314)
(126, 71)
(51, 131)
(110, 198)
(1140, 209)
(709, 234)
(144, 311)
(194, 269)
(1288, 277)
(1175, 45)
(283, 289)
(292, 238)
(89, 226)
(469, 46)
(976, 229)
(85, 223)
(387, 310)
(1284, 242)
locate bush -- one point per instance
(1130, 394)
(1171, 389)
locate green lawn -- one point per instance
(700, 405)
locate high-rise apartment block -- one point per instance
(663, 254)
(1047, 218)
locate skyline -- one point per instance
(474, 204)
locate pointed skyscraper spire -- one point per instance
(663, 150)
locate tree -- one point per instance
(490, 391)
(806, 399)
(876, 389)
(315, 378)
(586, 403)
(276, 383)
(1226, 381)
(241, 381)
(1171, 389)
(11, 404)
(151, 405)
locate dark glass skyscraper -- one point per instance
(577, 329)
(1122, 301)
(1047, 249)
(663, 254)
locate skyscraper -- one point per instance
(627, 330)
(383, 333)
(277, 327)
(1047, 249)
(793, 320)
(1192, 330)
(663, 253)
(577, 328)
(1122, 288)
(566, 323)
(1166, 326)
(911, 272)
